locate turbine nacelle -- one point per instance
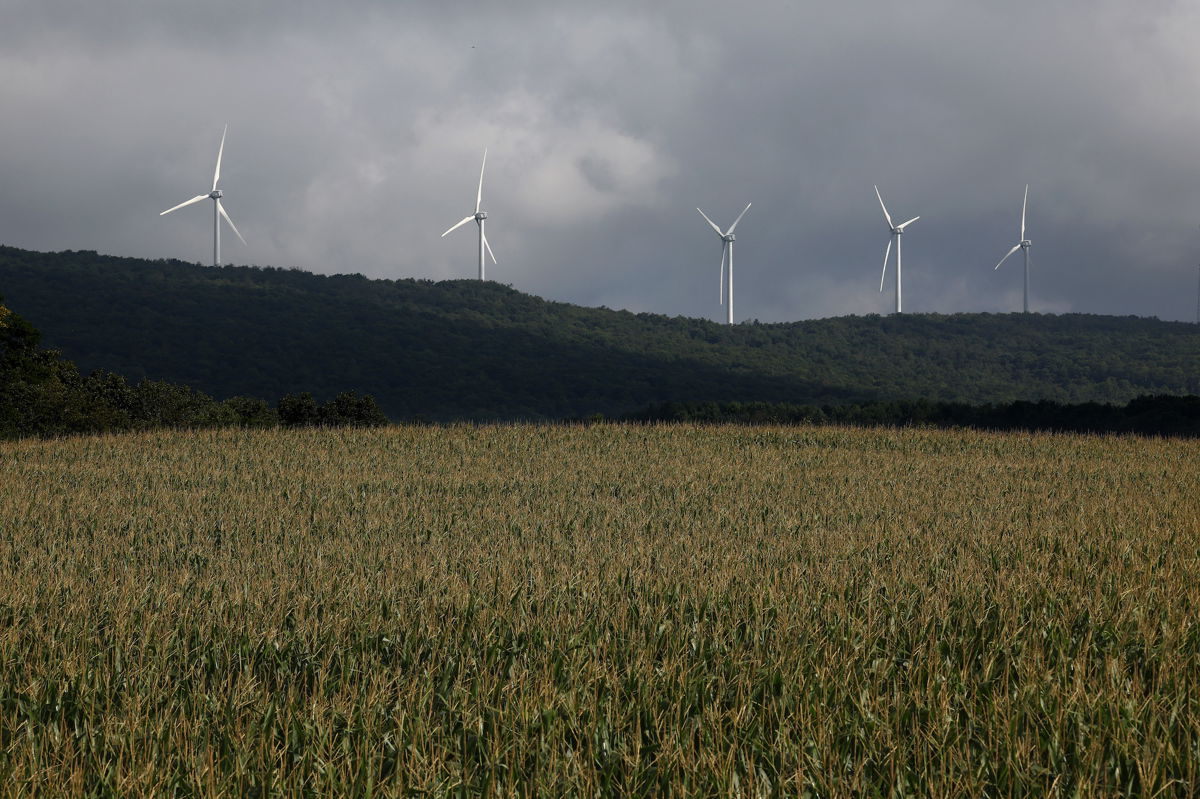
(1026, 243)
(480, 215)
(216, 194)
(729, 237)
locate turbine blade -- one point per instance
(1023, 206)
(1005, 258)
(721, 282)
(488, 247)
(886, 215)
(479, 195)
(711, 223)
(886, 254)
(909, 222)
(220, 150)
(739, 219)
(225, 216)
(460, 224)
(195, 199)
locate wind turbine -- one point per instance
(1024, 246)
(479, 217)
(218, 211)
(896, 232)
(726, 250)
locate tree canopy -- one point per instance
(470, 350)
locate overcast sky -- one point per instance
(356, 131)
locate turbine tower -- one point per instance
(1024, 246)
(726, 250)
(896, 231)
(479, 217)
(218, 210)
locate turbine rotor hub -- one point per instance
(216, 194)
(481, 215)
(1027, 243)
(729, 237)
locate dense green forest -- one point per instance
(43, 394)
(470, 350)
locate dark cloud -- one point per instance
(356, 132)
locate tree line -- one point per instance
(466, 349)
(44, 394)
(1162, 415)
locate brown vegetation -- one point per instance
(528, 610)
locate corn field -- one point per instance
(599, 611)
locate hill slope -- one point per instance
(464, 349)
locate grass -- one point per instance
(609, 610)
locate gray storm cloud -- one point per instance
(356, 129)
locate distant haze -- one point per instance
(356, 131)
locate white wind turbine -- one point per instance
(896, 232)
(218, 211)
(726, 250)
(1024, 246)
(479, 217)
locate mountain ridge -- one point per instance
(465, 349)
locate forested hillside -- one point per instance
(465, 349)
